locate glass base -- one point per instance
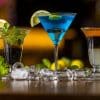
(96, 72)
(96, 76)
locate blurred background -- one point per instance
(18, 12)
(37, 44)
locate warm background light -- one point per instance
(37, 39)
(37, 45)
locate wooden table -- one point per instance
(68, 90)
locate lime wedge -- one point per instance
(77, 63)
(34, 20)
(46, 62)
(2, 22)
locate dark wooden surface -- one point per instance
(73, 90)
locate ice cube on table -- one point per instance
(19, 73)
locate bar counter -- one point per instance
(70, 90)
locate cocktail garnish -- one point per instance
(34, 18)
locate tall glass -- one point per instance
(93, 37)
(13, 44)
(56, 26)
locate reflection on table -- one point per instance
(68, 89)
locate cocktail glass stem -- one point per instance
(91, 52)
(56, 57)
(21, 55)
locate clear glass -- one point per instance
(56, 26)
(12, 53)
(93, 37)
(13, 49)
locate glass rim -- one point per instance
(60, 13)
(19, 27)
(63, 13)
(90, 28)
(28, 29)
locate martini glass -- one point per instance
(93, 36)
(56, 26)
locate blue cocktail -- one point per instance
(56, 25)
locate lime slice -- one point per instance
(2, 22)
(77, 63)
(66, 61)
(61, 65)
(46, 62)
(34, 18)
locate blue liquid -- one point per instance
(57, 27)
